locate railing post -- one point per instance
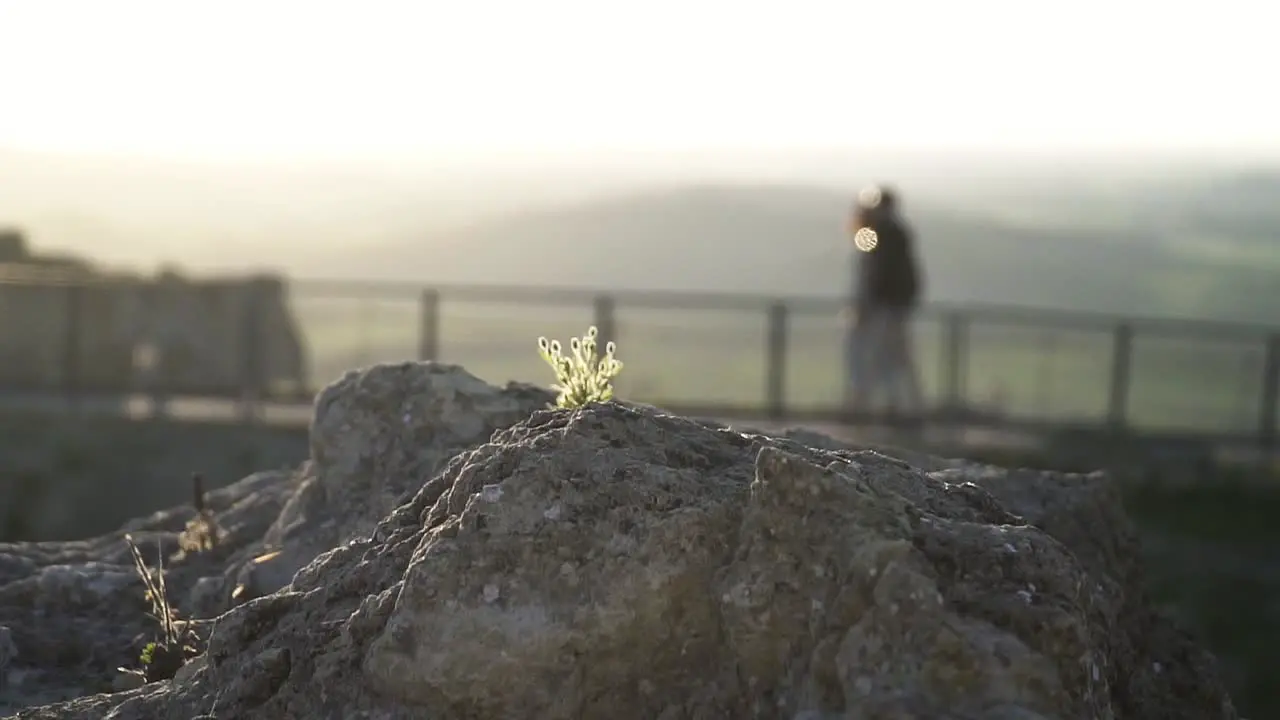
(776, 364)
(73, 348)
(1044, 378)
(368, 319)
(954, 358)
(1270, 394)
(147, 364)
(252, 369)
(605, 320)
(429, 326)
(1121, 365)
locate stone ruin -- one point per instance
(454, 550)
(139, 332)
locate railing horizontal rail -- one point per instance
(807, 304)
(1242, 387)
(677, 300)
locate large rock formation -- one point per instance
(454, 550)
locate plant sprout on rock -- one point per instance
(582, 376)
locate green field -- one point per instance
(718, 357)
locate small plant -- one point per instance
(202, 532)
(582, 377)
(161, 659)
(148, 654)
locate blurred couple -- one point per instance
(887, 283)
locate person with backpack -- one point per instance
(886, 291)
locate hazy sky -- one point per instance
(496, 79)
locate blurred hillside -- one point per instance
(1185, 241)
(1147, 255)
(138, 210)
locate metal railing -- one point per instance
(1208, 370)
(956, 327)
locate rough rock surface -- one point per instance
(452, 550)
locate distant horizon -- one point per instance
(1119, 238)
(301, 218)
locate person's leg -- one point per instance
(905, 377)
(851, 347)
(863, 349)
(887, 361)
(882, 367)
(881, 359)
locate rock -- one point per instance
(7, 651)
(125, 680)
(377, 435)
(462, 552)
(50, 591)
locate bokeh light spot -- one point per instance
(865, 239)
(870, 197)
